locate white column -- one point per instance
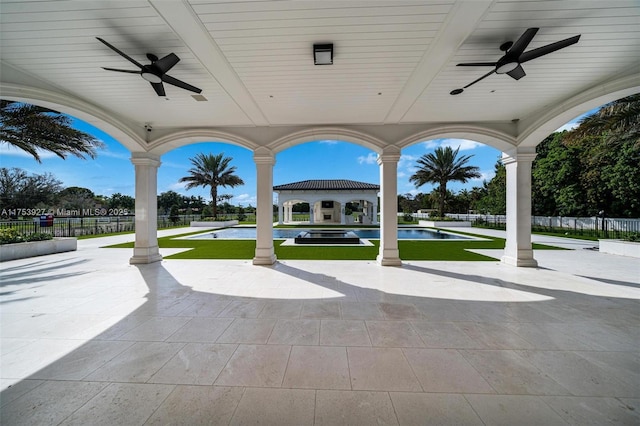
(145, 248)
(312, 212)
(518, 251)
(389, 254)
(280, 211)
(374, 214)
(265, 254)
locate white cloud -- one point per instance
(401, 175)
(371, 158)
(245, 199)
(6, 149)
(117, 155)
(178, 186)
(464, 144)
(485, 175)
(328, 142)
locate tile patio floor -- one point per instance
(88, 339)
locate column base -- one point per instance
(264, 257)
(145, 255)
(386, 260)
(528, 262)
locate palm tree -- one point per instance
(214, 171)
(35, 129)
(619, 120)
(443, 166)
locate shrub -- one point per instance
(634, 237)
(38, 237)
(12, 236)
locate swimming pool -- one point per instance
(373, 234)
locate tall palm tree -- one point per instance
(214, 171)
(619, 120)
(35, 129)
(442, 166)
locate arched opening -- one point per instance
(195, 203)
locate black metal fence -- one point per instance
(593, 227)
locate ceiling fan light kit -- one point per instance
(155, 72)
(515, 55)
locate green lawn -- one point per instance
(409, 249)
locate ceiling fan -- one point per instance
(515, 55)
(156, 72)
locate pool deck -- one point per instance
(88, 339)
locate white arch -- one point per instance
(124, 133)
(181, 138)
(327, 133)
(494, 138)
(537, 130)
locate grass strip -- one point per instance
(409, 249)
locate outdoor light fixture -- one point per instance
(323, 54)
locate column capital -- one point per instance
(521, 155)
(390, 154)
(145, 159)
(264, 155)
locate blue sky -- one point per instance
(113, 172)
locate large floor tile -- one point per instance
(275, 407)
(583, 411)
(49, 403)
(156, 329)
(580, 376)
(509, 410)
(433, 409)
(445, 370)
(494, 336)
(289, 309)
(295, 332)
(321, 309)
(195, 364)
(201, 330)
(383, 369)
(248, 331)
(256, 365)
(444, 335)
(136, 364)
(205, 308)
(397, 334)
(121, 403)
(353, 408)
(361, 311)
(243, 309)
(12, 389)
(400, 311)
(197, 405)
(344, 333)
(317, 367)
(82, 361)
(509, 373)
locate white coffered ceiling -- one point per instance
(394, 61)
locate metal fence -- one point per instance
(598, 227)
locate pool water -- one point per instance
(373, 234)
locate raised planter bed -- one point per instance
(214, 224)
(620, 247)
(37, 248)
(445, 224)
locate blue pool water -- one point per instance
(374, 234)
